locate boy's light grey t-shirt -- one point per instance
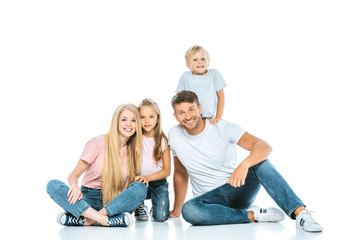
(206, 87)
(209, 157)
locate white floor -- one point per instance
(178, 229)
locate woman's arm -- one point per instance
(74, 193)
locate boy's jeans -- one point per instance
(127, 201)
(228, 205)
(159, 194)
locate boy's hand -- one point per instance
(214, 121)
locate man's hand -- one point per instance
(239, 175)
(175, 214)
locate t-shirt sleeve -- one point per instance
(232, 132)
(164, 144)
(219, 81)
(91, 150)
(180, 85)
(171, 138)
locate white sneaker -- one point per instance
(267, 214)
(306, 222)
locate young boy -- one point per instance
(208, 84)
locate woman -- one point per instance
(108, 191)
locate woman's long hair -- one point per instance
(159, 134)
(113, 181)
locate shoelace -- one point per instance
(142, 209)
(116, 221)
(307, 217)
(74, 220)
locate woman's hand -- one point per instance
(74, 194)
(143, 179)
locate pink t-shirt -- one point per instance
(94, 155)
(148, 165)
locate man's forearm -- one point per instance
(180, 189)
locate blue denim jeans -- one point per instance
(127, 201)
(159, 194)
(228, 205)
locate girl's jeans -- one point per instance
(127, 201)
(159, 195)
(228, 205)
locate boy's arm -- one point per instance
(180, 187)
(221, 104)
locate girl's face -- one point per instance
(127, 123)
(149, 120)
(198, 63)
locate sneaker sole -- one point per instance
(131, 221)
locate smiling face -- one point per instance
(198, 63)
(149, 120)
(189, 116)
(127, 123)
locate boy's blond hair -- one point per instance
(191, 51)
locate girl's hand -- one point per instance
(74, 194)
(143, 179)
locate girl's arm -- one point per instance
(74, 192)
(165, 172)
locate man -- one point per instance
(223, 189)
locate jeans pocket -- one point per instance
(84, 189)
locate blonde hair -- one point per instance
(191, 51)
(159, 134)
(113, 181)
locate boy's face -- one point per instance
(198, 63)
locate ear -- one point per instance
(188, 66)
(200, 109)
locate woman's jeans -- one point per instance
(127, 201)
(228, 205)
(159, 194)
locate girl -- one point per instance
(110, 163)
(155, 163)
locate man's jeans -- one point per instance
(159, 194)
(127, 201)
(228, 205)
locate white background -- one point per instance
(291, 67)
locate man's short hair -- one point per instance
(184, 96)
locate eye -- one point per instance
(142, 117)
(203, 59)
(133, 120)
(123, 119)
(195, 60)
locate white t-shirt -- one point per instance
(206, 87)
(148, 165)
(209, 157)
